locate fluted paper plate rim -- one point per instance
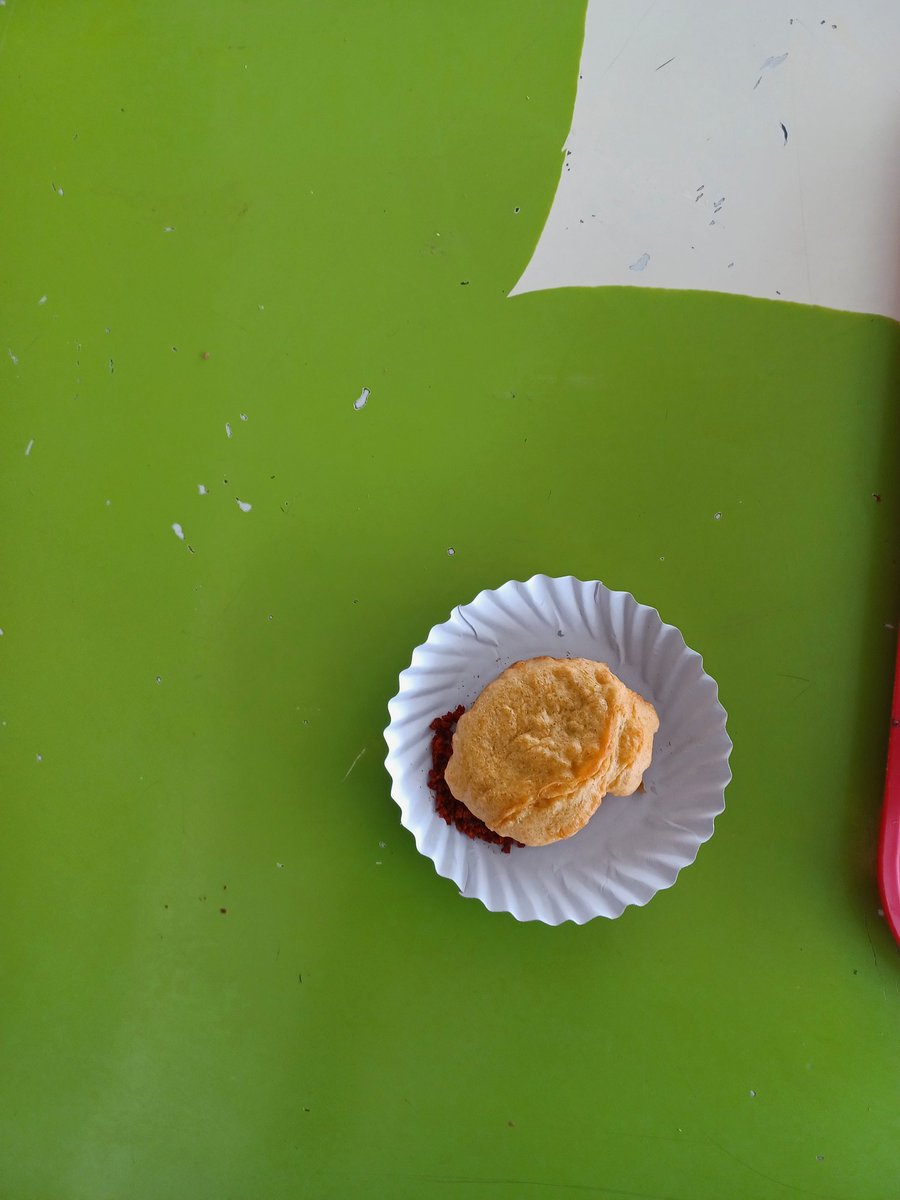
(662, 831)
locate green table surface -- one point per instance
(226, 971)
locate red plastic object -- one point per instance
(889, 842)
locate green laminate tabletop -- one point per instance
(226, 972)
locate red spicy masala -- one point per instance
(453, 811)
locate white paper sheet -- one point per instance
(752, 149)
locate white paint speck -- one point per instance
(1, 633)
(717, 516)
(159, 679)
(261, 307)
(640, 263)
(168, 228)
(377, 862)
(28, 447)
(227, 429)
(362, 399)
(887, 626)
(280, 866)
(243, 416)
(382, 845)
(178, 531)
(201, 488)
(243, 505)
(355, 761)
(752, 1093)
(59, 191)
(39, 757)
(881, 912)
(107, 503)
(43, 300)
(15, 360)
(450, 551)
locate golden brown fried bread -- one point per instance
(635, 747)
(543, 744)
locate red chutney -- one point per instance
(453, 811)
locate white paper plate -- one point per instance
(633, 846)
